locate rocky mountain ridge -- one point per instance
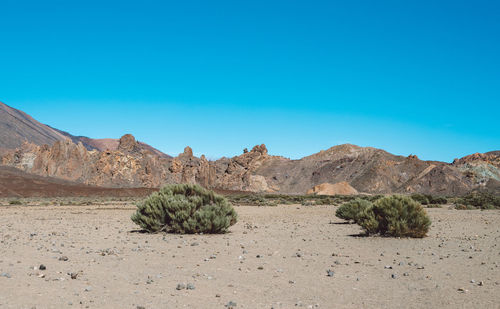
(367, 170)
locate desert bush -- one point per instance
(397, 215)
(439, 200)
(350, 211)
(433, 206)
(15, 202)
(367, 220)
(372, 198)
(420, 198)
(464, 207)
(185, 209)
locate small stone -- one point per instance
(260, 267)
(73, 275)
(481, 283)
(190, 286)
(88, 289)
(406, 274)
(231, 305)
(387, 267)
(63, 258)
(217, 295)
(462, 290)
(394, 276)
(42, 267)
(6, 275)
(194, 244)
(330, 273)
(140, 307)
(473, 281)
(180, 286)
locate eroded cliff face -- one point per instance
(368, 170)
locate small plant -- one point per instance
(433, 206)
(439, 200)
(185, 209)
(421, 198)
(15, 202)
(351, 211)
(396, 215)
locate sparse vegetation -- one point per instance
(477, 200)
(185, 209)
(288, 199)
(350, 211)
(15, 202)
(427, 199)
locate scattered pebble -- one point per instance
(180, 286)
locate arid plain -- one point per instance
(274, 257)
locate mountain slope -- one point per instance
(17, 127)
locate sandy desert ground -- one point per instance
(274, 257)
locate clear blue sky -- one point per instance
(419, 77)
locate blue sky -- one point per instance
(411, 77)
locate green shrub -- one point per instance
(464, 207)
(366, 219)
(439, 200)
(185, 209)
(350, 211)
(433, 206)
(15, 202)
(396, 215)
(421, 198)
